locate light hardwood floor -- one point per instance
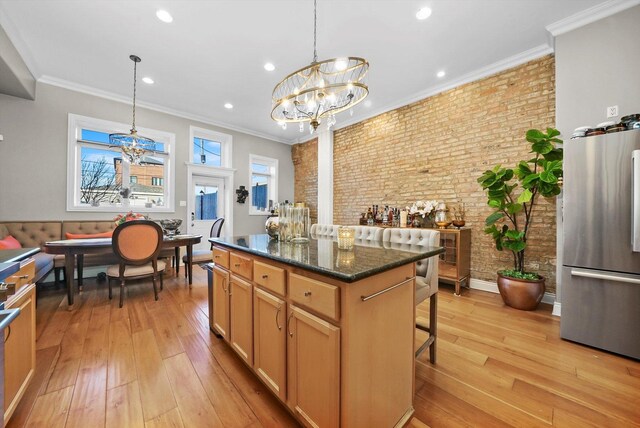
(156, 364)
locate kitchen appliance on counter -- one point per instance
(601, 254)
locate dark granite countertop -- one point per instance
(8, 256)
(323, 256)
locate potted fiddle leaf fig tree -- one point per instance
(513, 194)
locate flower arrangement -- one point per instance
(123, 218)
(423, 208)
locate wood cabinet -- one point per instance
(19, 348)
(270, 341)
(455, 262)
(241, 318)
(313, 369)
(220, 321)
(336, 354)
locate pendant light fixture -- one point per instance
(319, 90)
(133, 146)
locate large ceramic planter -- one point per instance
(521, 294)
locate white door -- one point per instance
(206, 204)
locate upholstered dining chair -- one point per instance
(324, 230)
(368, 233)
(136, 244)
(205, 256)
(426, 279)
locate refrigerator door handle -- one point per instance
(601, 275)
(635, 201)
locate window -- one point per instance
(264, 184)
(210, 148)
(97, 175)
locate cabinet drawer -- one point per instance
(24, 276)
(221, 257)
(270, 277)
(241, 265)
(316, 295)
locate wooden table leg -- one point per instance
(80, 267)
(190, 262)
(68, 276)
(177, 254)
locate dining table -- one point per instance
(77, 248)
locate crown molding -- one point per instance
(587, 16)
(72, 86)
(14, 35)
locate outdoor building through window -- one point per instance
(264, 184)
(102, 181)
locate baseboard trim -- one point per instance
(492, 287)
(556, 309)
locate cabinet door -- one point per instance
(19, 349)
(269, 316)
(241, 316)
(220, 322)
(314, 369)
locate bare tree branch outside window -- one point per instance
(98, 182)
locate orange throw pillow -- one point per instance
(89, 235)
(9, 243)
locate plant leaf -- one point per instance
(542, 147)
(493, 218)
(552, 132)
(514, 208)
(525, 196)
(534, 135)
(548, 177)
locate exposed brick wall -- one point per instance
(436, 148)
(305, 163)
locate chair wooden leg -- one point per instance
(433, 326)
(121, 292)
(161, 281)
(110, 291)
(155, 289)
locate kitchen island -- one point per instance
(18, 321)
(330, 332)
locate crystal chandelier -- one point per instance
(319, 90)
(133, 146)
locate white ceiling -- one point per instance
(214, 51)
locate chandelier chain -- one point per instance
(135, 66)
(315, 24)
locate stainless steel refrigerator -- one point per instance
(601, 257)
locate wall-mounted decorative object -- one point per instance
(242, 193)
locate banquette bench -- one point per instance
(36, 233)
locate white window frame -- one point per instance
(75, 125)
(226, 146)
(272, 181)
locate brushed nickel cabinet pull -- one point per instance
(307, 293)
(23, 277)
(277, 315)
(237, 264)
(289, 322)
(265, 276)
(371, 296)
(224, 281)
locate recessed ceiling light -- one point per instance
(269, 67)
(441, 73)
(228, 106)
(423, 13)
(147, 80)
(341, 64)
(164, 16)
